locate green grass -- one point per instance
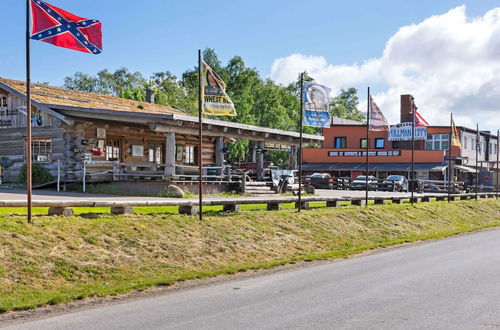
(59, 259)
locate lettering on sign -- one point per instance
(363, 153)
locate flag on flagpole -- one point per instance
(376, 117)
(455, 139)
(419, 120)
(478, 140)
(316, 105)
(215, 100)
(63, 29)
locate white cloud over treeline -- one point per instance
(449, 62)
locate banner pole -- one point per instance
(498, 164)
(412, 176)
(449, 157)
(29, 180)
(200, 143)
(367, 144)
(300, 139)
(478, 143)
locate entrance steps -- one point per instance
(257, 188)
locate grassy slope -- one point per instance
(60, 259)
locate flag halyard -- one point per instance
(63, 29)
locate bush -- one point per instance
(40, 174)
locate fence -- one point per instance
(64, 208)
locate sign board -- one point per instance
(137, 151)
(101, 133)
(402, 132)
(363, 153)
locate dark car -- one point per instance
(395, 183)
(321, 180)
(360, 183)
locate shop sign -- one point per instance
(363, 153)
(402, 132)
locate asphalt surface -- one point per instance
(6, 195)
(448, 284)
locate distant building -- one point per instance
(342, 152)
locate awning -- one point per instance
(465, 168)
(400, 167)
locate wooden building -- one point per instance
(115, 139)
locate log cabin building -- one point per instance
(111, 139)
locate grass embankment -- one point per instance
(62, 259)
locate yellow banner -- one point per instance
(455, 139)
(215, 101)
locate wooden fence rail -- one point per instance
(64, 208)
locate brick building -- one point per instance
(344, 145)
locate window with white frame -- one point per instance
(41, 150)
(113, 150)
(437, 142)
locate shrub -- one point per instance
(40, 174)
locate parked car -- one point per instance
(395, 183)
(321, 181)
(360, 183)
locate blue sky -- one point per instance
(443, 54)
(157, 35)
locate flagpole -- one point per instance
(449, 157)
(29, 183)
(300, 139)
(367, 144)
(498, 164)
(412, 176)
(478, 141)
(200, 143)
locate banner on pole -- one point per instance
(316, 105)
(402, 132)
(377, 119)
(215, 101)
(455, 139)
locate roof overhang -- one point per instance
(183, 124)
(40, 106)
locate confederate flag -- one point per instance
(63, 29)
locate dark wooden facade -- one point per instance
(113, 139)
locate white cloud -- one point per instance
(449, 63)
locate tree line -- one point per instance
(258, 101)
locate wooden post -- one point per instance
(260, 161)
(170, 154)
(219, 153)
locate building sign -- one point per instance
(275, 146)
(402, 132)
(363, 153)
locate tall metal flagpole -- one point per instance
(367, 144)
(478, 143)
(300, 139)
(29, 182)
(200, 143)
(449, 156)
(498, 164)
(412, 176)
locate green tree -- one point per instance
(345, 105)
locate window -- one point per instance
(112, 150)
(190, 155)
(437, 142)
(340, 142)
(3, 102)
(379, 143)
(465, 142)
(362, 143)
(395, 145)
(186, 154)
(41, 150)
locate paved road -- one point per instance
(54, 195)
(448, 284)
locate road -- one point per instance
(68, 196)
(448, 284)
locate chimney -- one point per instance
(150, 95)
(406, 107)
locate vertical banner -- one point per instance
(316, 102)
(377, 121)
(213, 93)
